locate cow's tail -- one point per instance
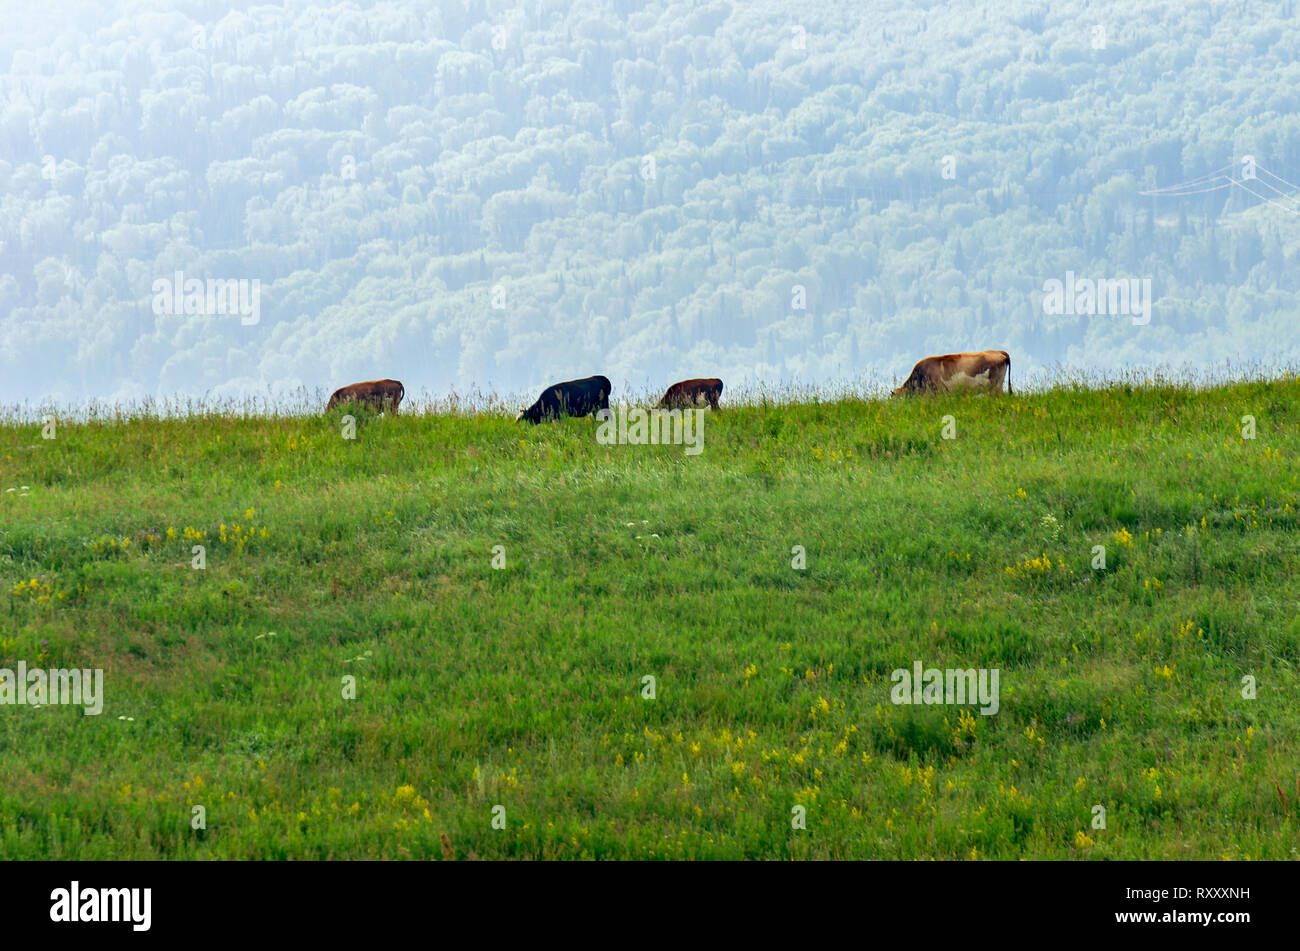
(1009, 392)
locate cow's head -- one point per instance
(915, 383)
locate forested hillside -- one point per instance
(501, 194)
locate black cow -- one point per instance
(574, 398)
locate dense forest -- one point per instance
(503, 194)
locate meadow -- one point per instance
(523, 686)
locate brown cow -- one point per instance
(985, 369)
(381, 394)
(692, 393)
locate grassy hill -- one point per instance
(522, 687)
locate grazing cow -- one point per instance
(960, 371)
(574, 398)
(692, 393)
(381, 394)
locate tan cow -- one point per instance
(984, 370)
(381, 394)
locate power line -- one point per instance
(1269, 201)
(1199, 191)
(1200, 179)
(1278, 177)
(1275, 188)
(1183, 189)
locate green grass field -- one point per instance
(522, 687)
